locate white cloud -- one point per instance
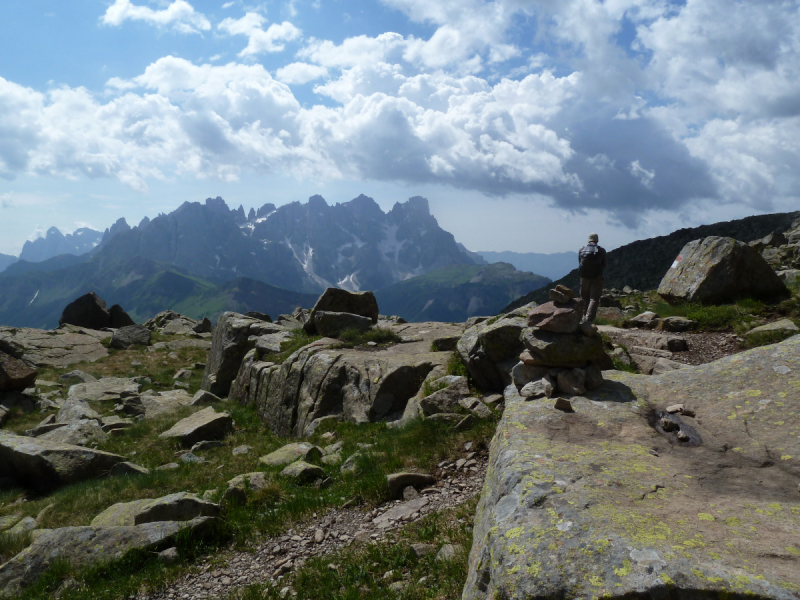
(300, 73)
(642, 174)
(260, 41)
(180, 15)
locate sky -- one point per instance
(526, 123)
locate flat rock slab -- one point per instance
(303, 471)
(181, 506)
(290, 453)
(604, 502)
(206, 424)
(165, 403)
(181, 344)
(58, 348)
(84, 546)
(402, 511)
(44, 465)
(105, 389)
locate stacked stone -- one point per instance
(562, 354)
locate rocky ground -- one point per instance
(274, 559)
(250, 462)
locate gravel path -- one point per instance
(276, 557)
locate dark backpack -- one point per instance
(591, 261)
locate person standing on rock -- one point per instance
(592, 263)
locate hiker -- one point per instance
(592, 262)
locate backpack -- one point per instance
(591, 262)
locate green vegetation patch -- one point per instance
(354, 338)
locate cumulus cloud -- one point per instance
(260, 40)
(180, 15)
(630, 106)
(300, 73)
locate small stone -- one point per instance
(409, 493)
(168, 467)
(243, 449)
(205, 445)
(560, 297)
(466, 423)
(563, 404)
(675, 408)
(468, 446)
(565, 290)
(588, 329)
(191, 458)
(446, 553)
(683, 436)
(319, 536)
(169, 556)
(398, 586)
(421, 550)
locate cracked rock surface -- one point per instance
(604, 502)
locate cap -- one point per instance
(593, 237)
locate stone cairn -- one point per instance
(562, 355)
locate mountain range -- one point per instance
(554, 265)
(643, 263)
(201, 257)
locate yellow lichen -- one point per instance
(667, 579)
(514, 533)
(596, 581)
(625, 570)
(706, 517)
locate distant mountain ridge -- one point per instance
(554, 265)
(304, 247)
(203, 258)
(455, 293)
(55, 243)
(642, 264)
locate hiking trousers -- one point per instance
(591, 290)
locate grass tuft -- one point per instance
(352, 338)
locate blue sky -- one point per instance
(527, 123)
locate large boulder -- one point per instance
(206, 424)
(486, 346)
(445, 400)
(181, 506)
(88, 311)
(320, 381)
(234, 336)
(119, 318)
(131, 335)
(620, 499)
(15, 374)
(82, 547)
(43, 465)
(331, 324)
(342, 301)
(716, 270)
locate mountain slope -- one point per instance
(455, 293)
(554, 265)
(141, 286)
(6, 260)
(642, 264)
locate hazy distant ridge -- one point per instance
(553, 266)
